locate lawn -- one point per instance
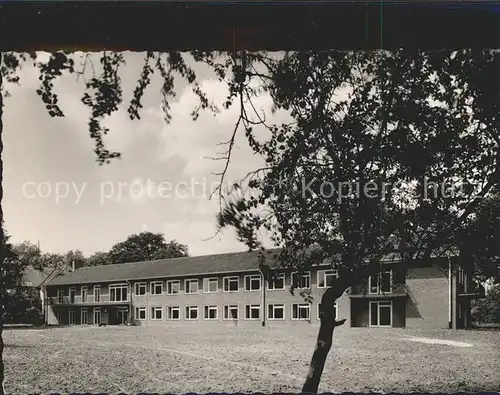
(135, 359)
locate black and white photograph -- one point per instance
(250, 221)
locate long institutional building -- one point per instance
(229, 290)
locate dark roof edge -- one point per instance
(162, 276)
(167, 276)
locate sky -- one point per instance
(55, 192)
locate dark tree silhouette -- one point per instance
(145, 246)
(98, 258)
(11, 274)
(378, 121)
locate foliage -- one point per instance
(388, 152)
(21, 304)
(381, 121)
(11, 271)
(487, 310)
(478, 241)
(145, 246)
(75, 257)
(99, 258)
(24, 307)
(103, 90)
(31, 255)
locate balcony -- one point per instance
(471, 290)
(65, 301)
(397, 290)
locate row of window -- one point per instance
(83, 316)
(381, 283)
(275, 311)
(118, 292)
(253, 282)
(380, 313)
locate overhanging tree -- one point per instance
(146, 246)
(414, 134)
(11, 275)
(389, 152)
(478, 240)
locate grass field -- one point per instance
(135, 359)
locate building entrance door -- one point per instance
(380, 313)
(97, 316)
(122, 316)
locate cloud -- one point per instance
(40, 149)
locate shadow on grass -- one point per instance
(7, 345)
(8, 327)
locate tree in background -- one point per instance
(146, 246)
(74, 257)
(478, 240)
(11, 275)
(98, 258)
(398, 123)
(487, 310)
(30, 255)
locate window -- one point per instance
(252, 282)
(173, 313)
(461, 275)
(326, 277)
(276, 311)
(373, 285)
(97, 295)
(231, 312)
(191, 286)
(382, 283)
(140, 313)
(335, 311)
(231, 284)
(60, 296)
(156, 287)
(84, 293)
(381, 313)
(97, 315)
(277, 281)
(301, 280)
(386, 281)
(191, 312)
(84, 316)
(210, 313)
(173, 287)
(301, 311)
(252, 311)
(140, 289)
(60, 317)
(118, 293)
(72, 316)
(156, 313)
(72, 293)
(210, 285)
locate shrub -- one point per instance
(487, 310)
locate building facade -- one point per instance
(229, 290)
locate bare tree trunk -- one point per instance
(324, 340)
(2, 392)
(2, 255)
